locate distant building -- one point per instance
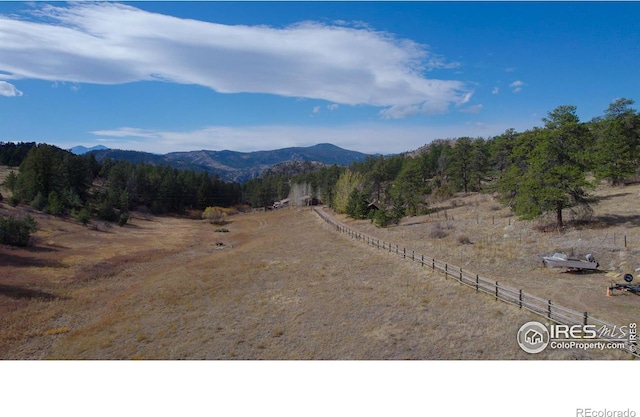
(281, 204)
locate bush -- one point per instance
(16, 232)
(13, 201)
(106, 212)
(83, 216)
(54, 205)
(124, 218)
(214, 215)
(39, 202)
(381, 218)
(464, 239)
(437, 232)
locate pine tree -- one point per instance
(617, 147)
(547, 169)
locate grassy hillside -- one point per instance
(477, 234)
(285, 285)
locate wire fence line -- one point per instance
(539, 306)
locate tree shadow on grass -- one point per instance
(26, 261)
(18, 293)
(609, 197)
(612, 220)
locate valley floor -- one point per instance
(278, 285)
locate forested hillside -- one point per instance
(57, 181)
(542, 170)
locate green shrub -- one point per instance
(124, 218)
(39, 202)
(83, 216)
(106, 212)
(13, 201)
(16, 232)
(381, 218)
(54, 205)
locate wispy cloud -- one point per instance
(332, 106)
(112, 43)
(516, 86)
(9, 90)
(495, 90)
(476, 108)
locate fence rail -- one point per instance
(541, 307)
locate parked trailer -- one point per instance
(560, 260)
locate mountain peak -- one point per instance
(81, 150)
(241, 166)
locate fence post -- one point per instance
(586, 317)
(477, 282)
(433, 264)
(496, 290)
(446, 270)
(460, 274)
(404, 253)
(549, 310)
(422, 259)
(520, 298)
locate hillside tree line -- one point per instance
(545, 169)
(57, 181)
(542, 170)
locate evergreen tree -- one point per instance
(547, 173)
(617, 147)
(409, 186)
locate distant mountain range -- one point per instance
(234, 166)
(81, 150)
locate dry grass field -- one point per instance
(285, 285)
(480, 236)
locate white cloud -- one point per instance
(112, 43)
(316, 110)
(516, 86)
(476, 108)
(128, 132)
(9, 90)
(495, 90)
(332, 106)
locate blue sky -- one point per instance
(375, 77)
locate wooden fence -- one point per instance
(541, 307)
